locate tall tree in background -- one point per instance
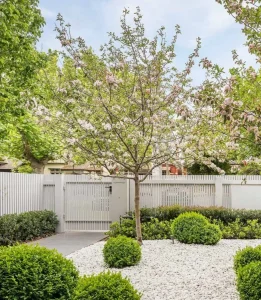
(22, 137)
(238, 96)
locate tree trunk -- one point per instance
(38, 167)
(137, 209)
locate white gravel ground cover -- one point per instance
(175, 271)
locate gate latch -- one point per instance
(110, 188)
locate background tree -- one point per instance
(21, 135)
(247, 13)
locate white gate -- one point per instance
(87, 204)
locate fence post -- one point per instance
(59, 201)
(119, 199)
(219, 191)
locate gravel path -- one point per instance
(175, 272)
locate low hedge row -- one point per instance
(225, 215)
(160, 230)
(26, 226)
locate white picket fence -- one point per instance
(83, 203)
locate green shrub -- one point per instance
(159, 230)
(26, 226)
(121, 251)
(8, 229)
(225, 215)
(193, 228)
(107, 286)
(211, 234)
(126, 227)
(153, 230)
(188, 228)
(246, 256)
(34, 272)
(238, 230)
(249, 281)
(156, 230)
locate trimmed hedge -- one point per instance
(193, 228)
(225, 215)
(245, 256)
(160, 230)
(249, 281)
(26, 226)
(34, 272)
(239, 230)
(121, 251)
(109, 286)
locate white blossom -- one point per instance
(71, 141)
(107, 126)
(97, 83)
(86, 125)
(58, 114)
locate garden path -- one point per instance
(70, 242)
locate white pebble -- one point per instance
(175, 271)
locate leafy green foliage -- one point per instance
(246, 256)
(159, 230)
(201, 169)
(211, 235)
(34, 272)
(126, 227)
(240, 230)
(121, 251)
(20, 28)
(26, 226)
(193, 228)
(106, 286)
(156, 230)
(22, 136)
(153, 230)
(24, 169)
(249, 281)
(251, 169)
(225, 215)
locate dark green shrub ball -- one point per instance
(121, 251)
(34, 272)
(109, 286)
(249, 281)
(246, 256)
(193, 228)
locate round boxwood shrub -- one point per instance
(211, 234)
(249, 281)
(107, 286)
(34, 272)
(193, 228)
(246, 256)
(121, 251)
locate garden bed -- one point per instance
(175, 271)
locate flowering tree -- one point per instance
(247, 13)
(130, 109)
(237, 97)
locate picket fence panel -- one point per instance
(84, 203)
(87, 203)
(20, 192)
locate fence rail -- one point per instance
(84, 203)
